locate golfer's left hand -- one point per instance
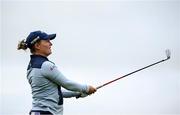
(81, 95)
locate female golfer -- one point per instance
(45, 79)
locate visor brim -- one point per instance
(51, 36)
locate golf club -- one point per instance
(168, 53)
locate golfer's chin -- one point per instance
(48, 53)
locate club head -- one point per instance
(168, 53)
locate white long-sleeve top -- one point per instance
(46, 82)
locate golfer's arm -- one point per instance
(50, 71)
(69, 94)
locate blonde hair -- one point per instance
(22, 45)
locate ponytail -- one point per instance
(22, 45)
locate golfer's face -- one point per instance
(45, 47)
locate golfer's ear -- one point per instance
(37, 46)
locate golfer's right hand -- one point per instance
(91, 90)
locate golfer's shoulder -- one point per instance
(48, 65)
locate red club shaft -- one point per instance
(131, 73)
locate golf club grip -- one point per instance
(98, 87)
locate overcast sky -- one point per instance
(97, 42)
